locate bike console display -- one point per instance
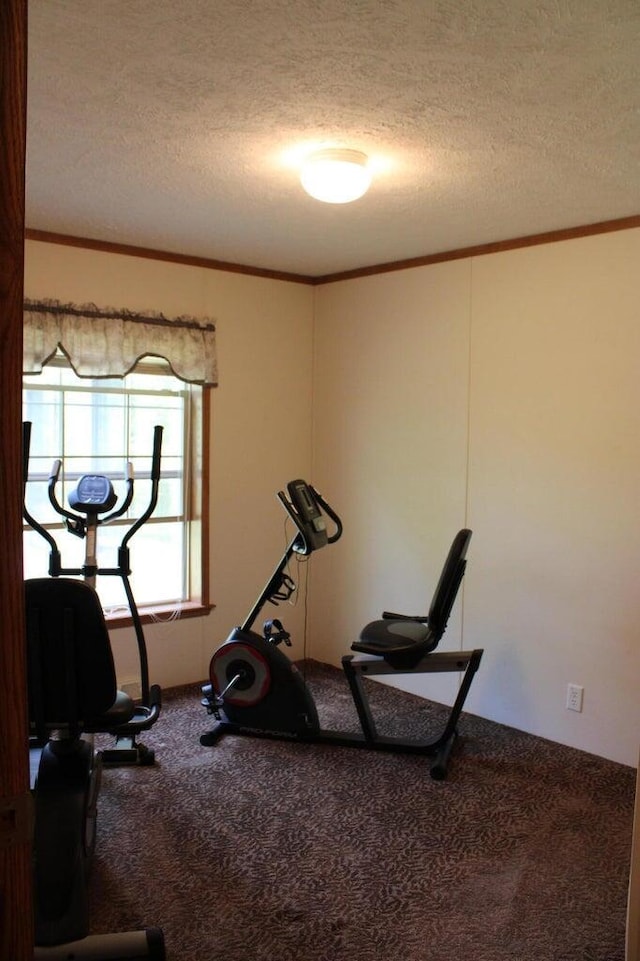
(307, 509)
(308, 515)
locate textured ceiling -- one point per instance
(178, 125)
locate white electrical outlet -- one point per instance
(575, 694)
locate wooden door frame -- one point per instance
(16, 925)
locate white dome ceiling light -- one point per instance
(336, 175)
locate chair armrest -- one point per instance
(390, 616)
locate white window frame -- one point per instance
(193, 599)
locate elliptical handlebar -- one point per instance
(128, 497)
(54, 553)
(26, 447)
(155, 457)
(77, 523)
(155, 480)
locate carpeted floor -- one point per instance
(260, 850)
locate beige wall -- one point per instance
(499, 392)
(554, 482)
(502, 393)
(390, 445)
(260, 430)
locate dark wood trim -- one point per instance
(549, 237)
(16, 925)
(129, 250)
(206, 496)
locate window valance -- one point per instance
(109, 343)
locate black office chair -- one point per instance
(73, 695)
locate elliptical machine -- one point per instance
(256, 690)
(93, 501)
(73, 696)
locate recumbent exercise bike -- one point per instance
(256, 690)
(73, 695)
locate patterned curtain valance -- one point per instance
(109, 343)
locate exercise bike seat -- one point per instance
(403, 640)
(71, 672)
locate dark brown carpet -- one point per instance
(258, 850)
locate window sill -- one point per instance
(160, 614)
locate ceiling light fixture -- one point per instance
(336, 175)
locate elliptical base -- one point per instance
(126, 946)
(127, 749)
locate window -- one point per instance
(98, 426)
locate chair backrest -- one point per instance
(449, 582)
(71, 673)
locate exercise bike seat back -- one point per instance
(403, 640)
(72, 679)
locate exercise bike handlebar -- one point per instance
(305, 507)
(330, 513)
